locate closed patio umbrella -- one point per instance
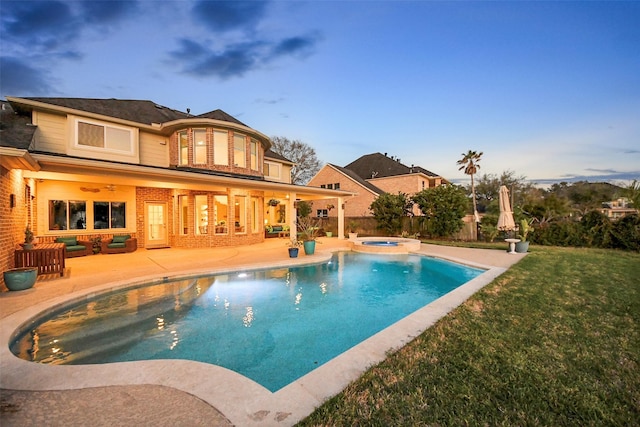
(505, 220)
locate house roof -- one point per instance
(138, 111)
(378, 165)
(275, 156)
(16, 130)
(351, 174)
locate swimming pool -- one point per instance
(272, 326)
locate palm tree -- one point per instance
(469, 162)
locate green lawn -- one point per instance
(555, 341)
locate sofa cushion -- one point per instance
(276, 229)
(120, 239)
(68, 241)
(73, 248)
(116, 245)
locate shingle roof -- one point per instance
(273, 155)
(377, 165)
(138, 111)
(16, 130)
(351, 174)
(221, 115)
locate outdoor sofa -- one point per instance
(74, 247)
(119, 245)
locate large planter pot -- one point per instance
(309, 247)
(353, 236)
(329, 233)
(522, 247)
(293, 252)
(19, 279)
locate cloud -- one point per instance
(220, 16)
(235, 60)
(41, 25)
(107, 13)
(294, 46)
(21, 79)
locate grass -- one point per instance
(555, 341)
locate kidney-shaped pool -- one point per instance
(272, 326)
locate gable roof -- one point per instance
(377, 165)
(357, 179)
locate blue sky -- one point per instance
(548, 90)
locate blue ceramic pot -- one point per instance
(19, 279)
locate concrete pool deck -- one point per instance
(182, 392)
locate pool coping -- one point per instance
(238, 398)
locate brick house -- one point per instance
(368, 177)
(99, 167)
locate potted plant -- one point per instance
(96, 243)
(523, 232)
(273, 202)
(309, 229)
(294, 247)
(28, 238)
(353, 226)
(19, 279)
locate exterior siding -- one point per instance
(154, 150)
(51, 135)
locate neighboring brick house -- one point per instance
(370, 176)
(99, 167)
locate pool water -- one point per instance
(272, 326)
(379, 243)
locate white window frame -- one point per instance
(277, 167)
(105, 127)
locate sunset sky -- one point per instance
(549, 90)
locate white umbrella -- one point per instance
(505, 220)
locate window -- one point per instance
(255, 215)
(67, 215)
(202, 214)
(99, 136)
(183, 144)
(322, 213)
(109, 215)
(254, 154)
(220, 214)
(336, 186)
(240, 214)
(330, 186)
(272, 170)
(200, 146)
(183, 214)
(220, 148)
(323, 186)
(239, 151)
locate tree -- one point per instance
(444, 207)
(306, 164)
(632, 192)
(469, 162)
(388, 210)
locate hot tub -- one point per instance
(385, 245)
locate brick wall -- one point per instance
(356, 206)
(12, 219)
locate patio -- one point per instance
(136, 397)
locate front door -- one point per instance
(156, 235)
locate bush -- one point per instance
(596, 230)
(625, 233)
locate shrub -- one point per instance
(625, 233)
